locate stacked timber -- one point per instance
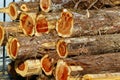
(62, 39)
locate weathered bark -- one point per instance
(88, 45)
(71, 24)
(45, 22)
(107, 76)
(27, 23)
(28, 67)
(45, 5)
(8, 29)
(26, 47)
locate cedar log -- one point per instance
(87, 45)
(28, 67)
(45, 5)
(72, 24)
(26, 47)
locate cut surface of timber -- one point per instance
(45, 22)
(87, 45)
(45, 5)
(107, 76)
(28, 47)
(28, 67)
(72, 24)
(27, 23)
(12, 9)
(9, 29)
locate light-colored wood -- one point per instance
(28, 68)
(45, 5)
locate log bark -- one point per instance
(107, 76)
(45, 5)
(26, 47)
(45, 23)
(71, 24)
(8, 29)
(88, 45)
(28, 67)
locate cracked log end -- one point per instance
(28, 67)
(62, 49)
(27, 24)
(41, 25)
(45, 5)
(64, 25)
(13, 11)
(12, 48)
(1, 35)
(46, 65)
(62, 71)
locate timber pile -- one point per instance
(63, 39)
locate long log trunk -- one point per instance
(107, 76)
(8, 29)
(94, 64)
(12, 10)
(26, 47)
(45, 5)
(71, 24)
(88, 45)
(28, 68)
(45, 22)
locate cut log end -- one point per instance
(61, 49)
(13, 11)
(21, 66)
(65, 24)
(45, 5)
(1, 35)
(12, 48)
(46, 64)
(62, 71)
(41, 25)
(27, 24)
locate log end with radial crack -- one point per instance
(41, 25)
(28, 67)
(65, 24)
(27, 23)
(46, 65)
(62, 71)
(45, 5)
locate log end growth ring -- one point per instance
(62, 71)
(64, 25)
(27, 24)
(12, 48)
(62, 49)
(13, 11)
(41, 25)
(45, 5)
(46, 65)
(1, 35)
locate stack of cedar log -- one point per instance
(62, 39)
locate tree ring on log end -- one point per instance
(46, 65)
(45, 5)
(64, 25)
(62, 71)
(41, 25)
(27, 24)
(21, 66)
(1, 35)
(12, 47)
(13, 11)
(23, 7)
(62, 48)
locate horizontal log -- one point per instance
(72, 24)
(87, 45)
(107, 76)
(26, 47)
(28, 68)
